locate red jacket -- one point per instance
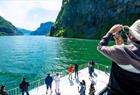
(70, 68)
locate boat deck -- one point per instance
(70, 87)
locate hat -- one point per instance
(135, 29)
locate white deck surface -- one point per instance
(68, 87)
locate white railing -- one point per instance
(104, 68)
(33, 84)
(14, 91)
(39, 82)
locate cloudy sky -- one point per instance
(28, 14)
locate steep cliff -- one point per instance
(6, 28)
(93, 18)
(44, 29)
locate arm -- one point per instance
(103, 45)
(115, 52)
(105, 40)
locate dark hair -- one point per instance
(2, 87)
(24, 79)
(76, 64)
(48, 74)
(83, 81)
(91, 85)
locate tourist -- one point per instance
(24, 86)
(114, 70)
(70, 69)
(92, 89)
(81, 89)
(57, 83)
(48, 82)
(84, 86)
(93, 64)
(125, 73)
(76, 67)
(90, 70)
(3, 91)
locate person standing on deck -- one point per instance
(3, 91)
(90, 70)
(93, 64)
(125, 73)
(57, 83)
(92, 89)
(24, 86)
(81, 89)
(76, 68)
(70, 70)
(84, 86)
(48, 82)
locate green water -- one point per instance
(34, 56)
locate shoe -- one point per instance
(51, 91)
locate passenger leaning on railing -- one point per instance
(125, 74)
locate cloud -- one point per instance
(29, 14)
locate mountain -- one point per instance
(93, 18)
(25, 31)
(44, 29)
(6, 28)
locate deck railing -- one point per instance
(104, 68)
(33, 84)
(37, 83)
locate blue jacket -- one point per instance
(48, 80)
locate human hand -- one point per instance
(116, 28)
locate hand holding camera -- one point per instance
(119, 30)
(116, 28)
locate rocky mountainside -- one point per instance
(93, 18)
(6, 28)
(44, 29)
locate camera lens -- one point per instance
(126, 29)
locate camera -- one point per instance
(123, 33)
(118, 34)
